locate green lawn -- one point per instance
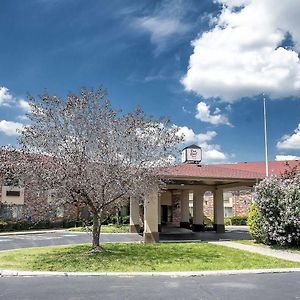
(276, 247)
(135, 257)
(104, 229)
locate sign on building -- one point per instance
(191, 154)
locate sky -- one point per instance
(206, 65)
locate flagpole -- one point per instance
(266, 138)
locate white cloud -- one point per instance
(241, 55)
(291, 142)
(10, 128)
(214, 155)
(24, 105)
(191, 137)
(211, 153)
(5, 97)
(165, 22)
(161, 28)
(204, 114)
(286, 157)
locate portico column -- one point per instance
(198, 215)
(151, 234)
(185, 214)
(219, 211)
(134, 222)
(159, 213)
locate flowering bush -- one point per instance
(278, 206)
(255, 224)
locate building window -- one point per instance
(11, 212)
(227, 212)
(60, 212)
(13, 193)
(227, 196)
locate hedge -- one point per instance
(41, 224)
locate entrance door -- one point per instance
(164, 214)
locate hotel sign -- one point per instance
(192, 155)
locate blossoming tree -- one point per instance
(90, 153)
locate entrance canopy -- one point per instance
(197, 179)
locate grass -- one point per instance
(104, 229)
(134, 257)
(276, 247)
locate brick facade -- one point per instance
(239, 202)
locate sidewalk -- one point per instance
(282, 254)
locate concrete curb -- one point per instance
(13, 273)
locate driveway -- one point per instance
(61, 238)
(234, 287)
(29, 240)
(181, 234)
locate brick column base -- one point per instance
(151, 237)
(219, 228)
(198, 227)
(185, 225)
(134, 228)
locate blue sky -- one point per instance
(203, 64)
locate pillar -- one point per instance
(198, 215)
(219, 211)
(134, 222)
(151, 234)
(159, 213)
(185, 214)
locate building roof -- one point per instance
(192, 147)
(243, 170)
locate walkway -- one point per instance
(282, 254)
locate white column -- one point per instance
(198, 215)
(151, 234)
(219, 211)
(134, 222)
(185, 214)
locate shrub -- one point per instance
(239, 220)
(42, 224)
(71, 223)
(278, 203)
(5, 226)
(207, 221)
(21, 225)
(227, 221)
(254, 222)
(125, 220)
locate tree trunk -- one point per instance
(96, 231)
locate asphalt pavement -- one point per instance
(8, 242)
(234, 287)
(15, 240)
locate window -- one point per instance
(11, 212)
(227, 196)
(60, 212)
(227, 212)
(13, 193)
